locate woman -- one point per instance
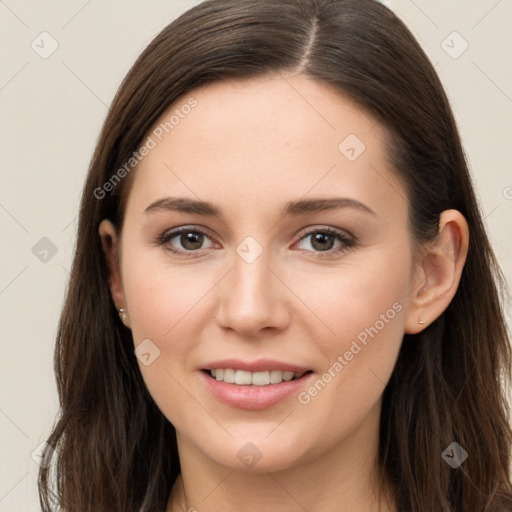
(213, 346)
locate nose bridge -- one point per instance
(250, 279)
(251, 274)
(250, 298)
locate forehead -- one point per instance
(263, 138)
(262, 115)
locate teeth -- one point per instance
(261, 378)
(245, 378)
(276, 376)
(241, 377)
(229, 376)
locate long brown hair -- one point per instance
(114, 449)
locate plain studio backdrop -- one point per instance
(61, 65)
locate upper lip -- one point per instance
(260, 365)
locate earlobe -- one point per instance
(111, 248)
(439, 273)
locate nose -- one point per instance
(252, 298)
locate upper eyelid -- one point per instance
(171, 233)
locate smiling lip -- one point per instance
(252, 397)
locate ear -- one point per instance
(439, 272)
(110, 243)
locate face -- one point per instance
(268, 288)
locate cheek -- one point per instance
(161, 303)
(167, 306)
(358, 297)
(365, 309)
(161, 297)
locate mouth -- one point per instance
(255, 390)
(247, 378)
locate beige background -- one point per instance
(52, 110)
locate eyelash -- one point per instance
(347, 243)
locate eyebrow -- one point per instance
(290, 209)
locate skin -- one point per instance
(249, 147)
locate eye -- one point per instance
(323, 240)
(191, 240)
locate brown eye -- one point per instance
(184, 240)
(324, 240)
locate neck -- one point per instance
(345, 478)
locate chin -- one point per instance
(259, 455)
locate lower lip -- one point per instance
(254, 397)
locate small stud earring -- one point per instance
(122, 314)
(421, 322)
